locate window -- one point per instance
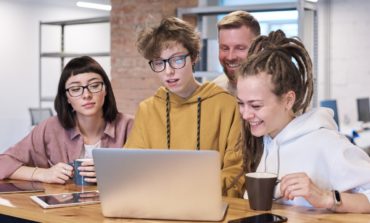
(270, 20)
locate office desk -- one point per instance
(363, 138)
(20, 205)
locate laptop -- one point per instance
(160, 184)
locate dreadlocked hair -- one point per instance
(290, 67)
(287, 61)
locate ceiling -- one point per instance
(66, 3)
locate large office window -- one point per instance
(284, 20)
(270, 20)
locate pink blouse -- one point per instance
(49, 143)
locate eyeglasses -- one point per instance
(176, 62)
(76, 91)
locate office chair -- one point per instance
(332, 103)
(39, 114)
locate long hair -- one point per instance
(290, 66)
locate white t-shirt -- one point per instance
(87, 150)
(223, 81)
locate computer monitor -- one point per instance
(333, 105)
(363, 109)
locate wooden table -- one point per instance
(20, 205)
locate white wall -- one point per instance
(19, 56)
(344, 55)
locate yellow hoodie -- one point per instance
(209, 118)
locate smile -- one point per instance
(233, 65)
(255, 123)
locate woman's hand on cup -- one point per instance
(59, 173)
(87, 169)
(300, 185)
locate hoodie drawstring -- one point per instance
(198, 122)
(168, 132)
(168, 119)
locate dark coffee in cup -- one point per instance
(77, 178)
(260, 189)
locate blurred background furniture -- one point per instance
(331, 103)
(39, 114)
(363, 109)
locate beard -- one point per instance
(230, 75)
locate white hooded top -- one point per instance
(311, 143)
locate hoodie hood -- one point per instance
(173, 101)
(310, 121)
(302, 125)
(205, 91)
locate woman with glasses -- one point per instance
(87, 118)
(318, 166)
(184, 114)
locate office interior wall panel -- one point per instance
(19, 21)
(350, 53)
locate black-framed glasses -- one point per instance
(76, 91)
(175, 62)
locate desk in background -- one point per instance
(21, 206)
(360, 133)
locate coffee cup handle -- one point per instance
(277, 198)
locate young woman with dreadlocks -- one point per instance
(317, 166)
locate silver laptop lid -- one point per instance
(159, 184)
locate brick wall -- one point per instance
(132, 78)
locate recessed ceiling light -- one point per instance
(94, 6)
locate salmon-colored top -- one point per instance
(49, 143)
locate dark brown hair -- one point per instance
(253, 149)
(238, 19)
(152, 41)
(77, 66)
(290, 66)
